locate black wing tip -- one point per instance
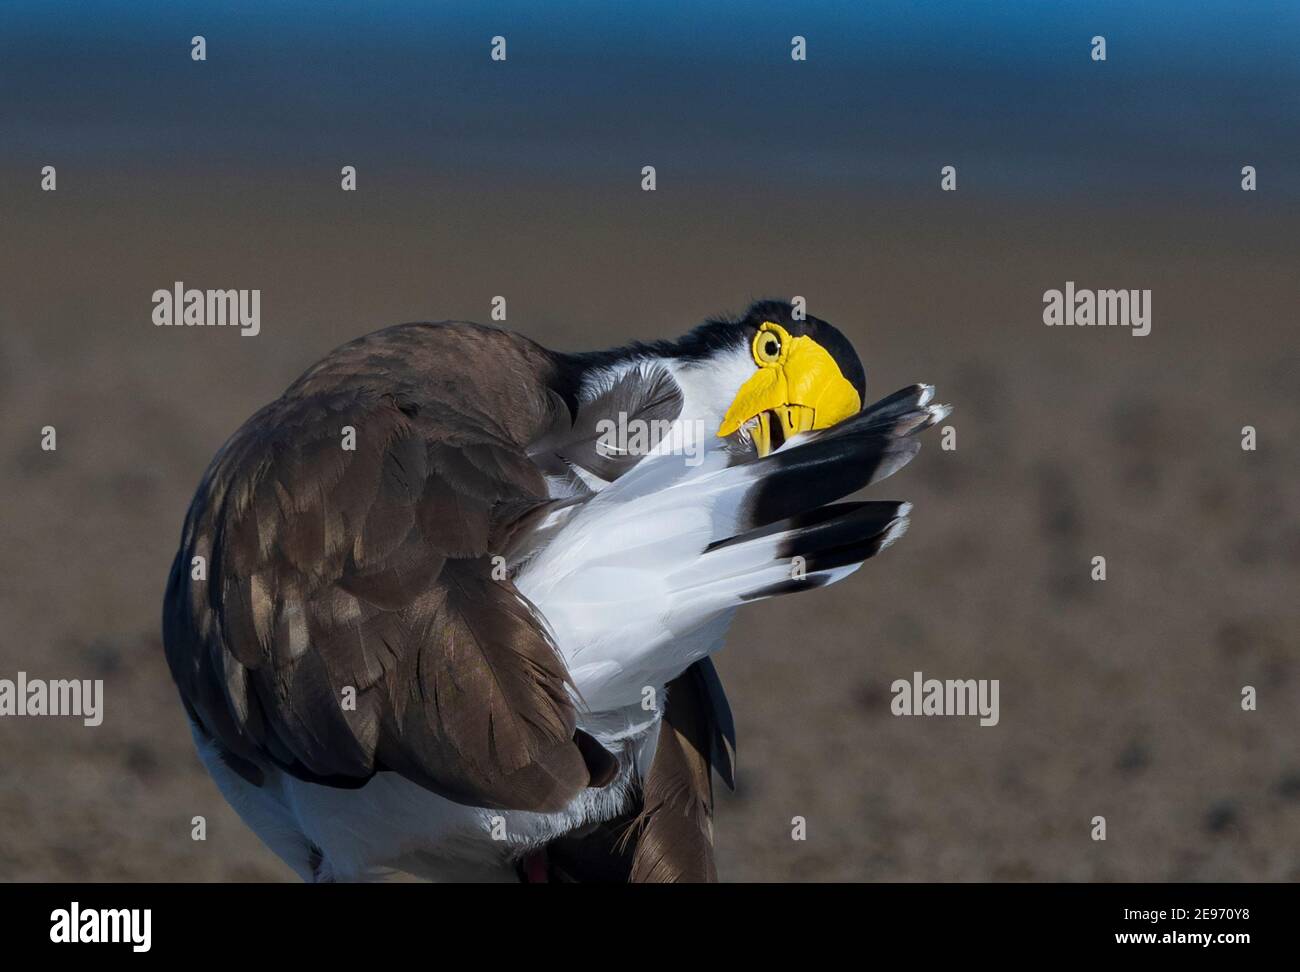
(833, 463)
(790, 586)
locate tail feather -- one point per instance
(819, 468)
(830, 537)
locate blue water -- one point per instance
(890, 91)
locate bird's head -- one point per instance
(780, 375)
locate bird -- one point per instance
(447, 607)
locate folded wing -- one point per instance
(348, 620)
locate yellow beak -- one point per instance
(803, 389)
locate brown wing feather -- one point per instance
(370, 569)
(674, 832)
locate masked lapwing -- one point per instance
(447, 605)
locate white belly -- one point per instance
(392, 824)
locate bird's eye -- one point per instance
(767, 347)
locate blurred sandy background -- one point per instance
(1118, 698)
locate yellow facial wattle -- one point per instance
(797, 387)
